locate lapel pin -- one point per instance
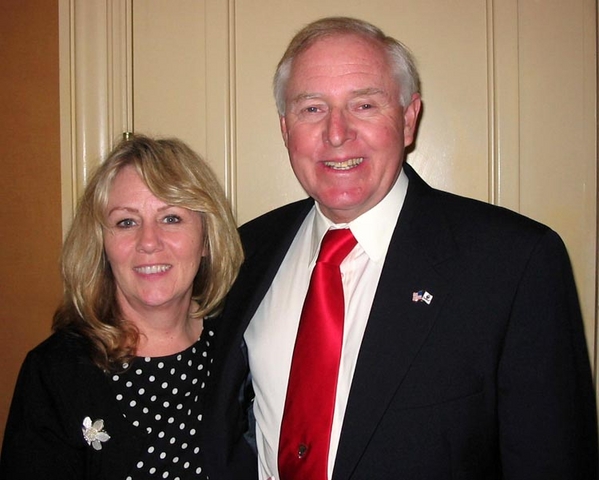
(422, 296)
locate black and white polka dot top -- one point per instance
(163, 396)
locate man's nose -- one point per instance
(338, 128)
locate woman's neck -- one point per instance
(164, 330)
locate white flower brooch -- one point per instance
(94, 433)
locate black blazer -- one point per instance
(491, 380)
(58, 387)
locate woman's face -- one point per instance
(154, 249)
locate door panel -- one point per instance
(169, 66)
(509, 92)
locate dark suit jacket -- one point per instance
(58, 387)
(491, 380)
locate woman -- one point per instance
(116, 391)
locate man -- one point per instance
(462, 351)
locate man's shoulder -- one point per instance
(466, 213)
(479, 216)
(283, 213)
(275, 221)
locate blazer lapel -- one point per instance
(265, 249)
(399, 322)
(266, 245)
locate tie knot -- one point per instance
(335, 246)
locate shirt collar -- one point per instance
(373, 229)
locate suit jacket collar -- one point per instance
(265, 252)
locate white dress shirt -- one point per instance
(270, 336)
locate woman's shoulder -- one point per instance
(61, 349)
(61, 367)
(61, 341)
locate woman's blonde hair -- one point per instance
(175, 174)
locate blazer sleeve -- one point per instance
(36, 443)
(546, 403)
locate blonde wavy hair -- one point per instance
(175, 174)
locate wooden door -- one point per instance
(509, 91)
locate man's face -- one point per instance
(344, 126)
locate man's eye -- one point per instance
(311, 109)
(125, 223)
(366, 106)
(172, 219)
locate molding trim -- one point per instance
(504, 115)
(221, 93)
(95, 88)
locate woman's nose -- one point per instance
(149, 238)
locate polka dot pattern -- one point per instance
(162, 396)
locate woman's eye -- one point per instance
(172, 219)
(125, 223)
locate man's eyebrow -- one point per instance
(356, 93)
(368, 91)
(305, 96)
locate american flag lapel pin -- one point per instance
(422, 296)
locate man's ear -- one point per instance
(284, 132)
(411, 114)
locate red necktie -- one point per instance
(310, 401)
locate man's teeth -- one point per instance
(352, 162)
(153, 269)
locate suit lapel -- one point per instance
(397, 326)
(266, 241)
(265, 253)
(266, 245)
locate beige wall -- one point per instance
(30, 208)
(509, 94)
(232, 120)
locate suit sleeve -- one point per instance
(546, 404)
(36, 444)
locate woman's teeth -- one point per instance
(152, 269)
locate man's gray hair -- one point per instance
(400, 58)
